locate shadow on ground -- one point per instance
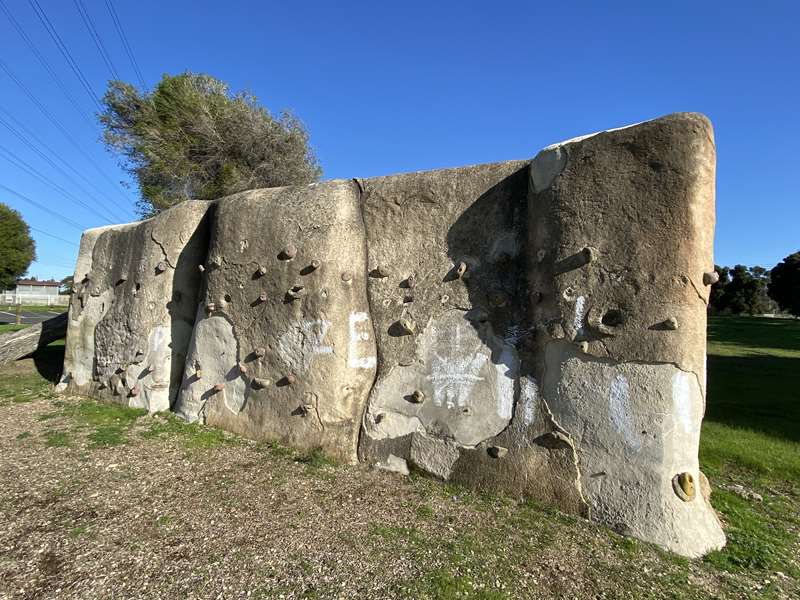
(754, 375)
(49, 361)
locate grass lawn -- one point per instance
(751, 438)
(36, 308)
(8, 327)
(99, 500)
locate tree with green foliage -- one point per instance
(17, 248)
(784, 285)
(67, 284)
(191, 138)
(741, 290)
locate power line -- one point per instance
(61, 128)
(58, 216)
(64, 51)
(87, 20)
(52, 236)
(125, 44)
(43, 61)
(49, 161)
(21, 164)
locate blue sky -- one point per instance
(392, 87)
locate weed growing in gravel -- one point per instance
(23, 388)
(315, 459)
(193, 436)
(109, 423)
(56, 439)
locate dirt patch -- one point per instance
(161, 509)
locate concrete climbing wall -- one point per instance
(533, 327)
(283, 347)
(132, 312)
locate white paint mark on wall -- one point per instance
(506, 367)
(454, 375)
(620, 411)
(359, 326)
(580, 307)
(304, 340)
(529, 393)
(682, 401)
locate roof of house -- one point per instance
(48, 282)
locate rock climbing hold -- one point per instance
(260, 352)
(498, 299)
(260, 383)
(297, 292)
(671, 324)
(497, 451)
(161, 267)
(478, 315)
(380, 272)
(710, 278)
(683, 485)
(262, 297)
(261, 271)
(288, 253)
(347, 276)
(218, 387)
(460, 270)
(406, 326)
(576, 261)
(416, 397)
(315, 264)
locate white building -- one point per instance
(31, 291)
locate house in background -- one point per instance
(33, 291)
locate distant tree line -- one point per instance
(743, 290)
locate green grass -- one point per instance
(56, 439)
(17, 388)
(9, 327)
(36, 308)
(192, 436)
(751, 437)
(108, 424)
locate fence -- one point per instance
(38, 299)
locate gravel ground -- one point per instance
(102, 502)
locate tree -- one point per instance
(17, 248)
(741, 291)
(784, 286)
(191, 138)
(67, 284)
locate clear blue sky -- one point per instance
(392, 87)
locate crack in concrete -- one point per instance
(697, 291)
(161, 246)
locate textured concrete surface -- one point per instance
(284, 330)
(132, 313)
(532, 327)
